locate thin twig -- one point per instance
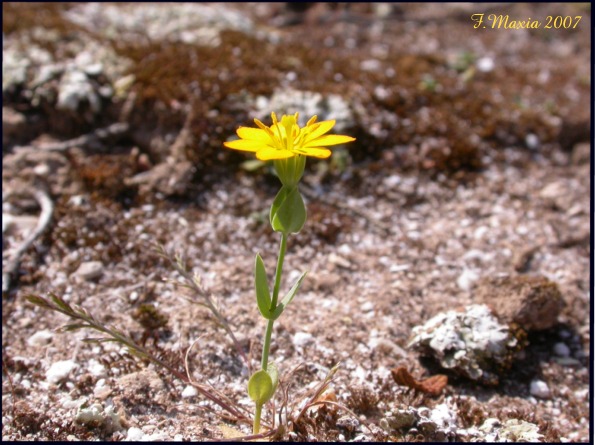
(12, 264)
(90, 139)
(321, 388)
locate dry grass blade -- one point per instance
(86, 320)
(318, 392)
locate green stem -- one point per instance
(256, 425)
(269, 330)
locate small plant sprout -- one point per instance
(287, 145)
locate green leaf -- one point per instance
(73, 327)
(288, 297)
(60, 303)
(273, 372)
(263, 295)
(288, 211)
(260, 387)
(37, 300)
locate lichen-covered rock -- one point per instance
(533, 302)
(438, 423)
(96, 415)
(512, 430)
(471, 342)
(308, 103)
(187, 22)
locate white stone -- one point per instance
(301, 339)
(91, 415)
(467, 278)
(532, 141)
(561, 350)
(485, 64)
(60, 370)
(90, 270)
(134, 435)
(40, 338)
(539, 388)
(367, 306)
(189, 391)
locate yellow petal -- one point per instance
(254, 134)
(329, 139)
(317, 152)
(269, 153)
(312, 120)
(244, 145)
(320, 128)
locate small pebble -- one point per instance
(90, 270)
(485, 64)
(532, 141)
(561, 350)
(189, 391)
(539, 389)
(40, 338)
(134, 434)
(367, 306)
(301, 339)
(60, 370)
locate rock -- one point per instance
(40, 338)
(134, 435)
(561, 350)
(60, 370)
(101, 390)
(539, 388)
(512, 430)
(400, 419)
(301, 339)
(533, 302)
(189, 391)
(368, 306)
(485, 64)
(287, 100)
(97, 416)
(76, 89)
(471, 342)
(532, 141)
(437, 424)
(337, 260)
(89, 270)
(191, 23)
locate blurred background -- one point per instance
(416, 84)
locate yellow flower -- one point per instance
(286, 139)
